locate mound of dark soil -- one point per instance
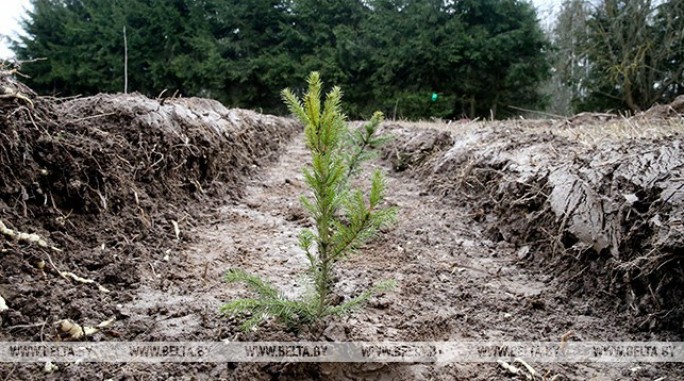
(608, 217)
(109, 181)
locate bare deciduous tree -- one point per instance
(570, 63)
(635, 49)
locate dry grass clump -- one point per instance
(623, 129)
(591, 130)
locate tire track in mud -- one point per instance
(452, 284)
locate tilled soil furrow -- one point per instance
(453, 284)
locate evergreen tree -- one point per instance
(325, 39)
(251, 36)
(504, 56)
(477, 56)
(169, 47)
(415, 48)
(344, 218)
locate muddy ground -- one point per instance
(516, 231)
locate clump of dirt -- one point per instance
(606, 217)
(585, 118)
(109, 181)
(411, 150)
(673, 109)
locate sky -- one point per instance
(11, 11)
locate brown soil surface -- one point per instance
(606, 211)
(470, 250)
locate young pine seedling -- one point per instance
(344, 217)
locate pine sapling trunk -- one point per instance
(326, 214)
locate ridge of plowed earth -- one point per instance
(599, 205)
(115, 182)
(453, 284)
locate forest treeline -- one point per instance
(408, 58)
